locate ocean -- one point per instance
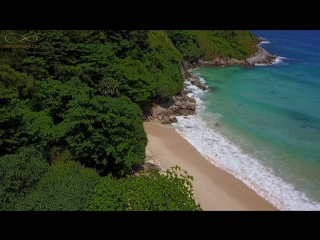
(262, 123)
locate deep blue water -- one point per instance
(262, 123)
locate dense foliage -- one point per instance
(80, 97)
(187, 43)
(78, 92)
(208, 44)
(150, 191)
(19, 125)
(104, 133)
(65, 187)
(19, 172)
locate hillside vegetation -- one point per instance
(70, 114)
(208, 44)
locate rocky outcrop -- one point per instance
(194, 80)
(258, 40)
(166, 112)
(183, 105)
(261, 57)
(186, 65)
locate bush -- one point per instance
(150, 191)
(19, 172)
(65, 187)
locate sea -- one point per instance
(262, 123)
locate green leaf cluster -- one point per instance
(104, 133)
(19, 173)
(150, 191)
(20, 126)
(208, 44)
(65, 187)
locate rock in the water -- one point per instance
(174, 119)
(204, 88)
(217, 124)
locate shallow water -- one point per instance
(262, 124)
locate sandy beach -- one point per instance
(215, 189)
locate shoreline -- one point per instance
(214, 188)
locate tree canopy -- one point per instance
(71, 115)
(19, 173)
(104, 133)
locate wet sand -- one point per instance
(214, 188)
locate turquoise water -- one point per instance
(262, 123)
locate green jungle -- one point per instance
(71, 128)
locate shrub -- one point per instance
(65, 187)
(19, 172)
(150, 191)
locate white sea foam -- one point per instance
(279, 60)
(276, 61)
(226, 155)
(264, 42)
(195, 92)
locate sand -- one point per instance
(215, 189)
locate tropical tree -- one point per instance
(103, 132)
